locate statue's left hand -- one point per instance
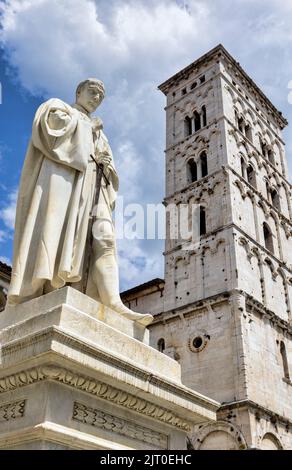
(104, 158)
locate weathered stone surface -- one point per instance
(231, 294)
(80, 303)
(74, 381)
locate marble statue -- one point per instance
(55, 203)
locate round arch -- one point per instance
(270, 442)
(219, 436)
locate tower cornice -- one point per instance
(216, 53)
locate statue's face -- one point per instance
(89, 97)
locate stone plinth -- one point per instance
(74, 375)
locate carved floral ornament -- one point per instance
(93, 387)
(11, 411)
(102, 420)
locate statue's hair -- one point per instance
(98, 83)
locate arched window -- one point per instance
(204, 164)
(264, 149)
(275, 199)
(284, 360)
(202, 220)
(192, 171)
(270, 442)
(240, 124)
(242, 167)
(268, 236)
(271, 157)
(248, 132)
(161, 345)
(251, 176)
(188, 126)
(268, 191)
(204, 116)
(197, 121)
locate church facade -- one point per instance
(223, 310)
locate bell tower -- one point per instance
(228, 287)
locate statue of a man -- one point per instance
(55, 202)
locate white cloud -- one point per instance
(133, 45)
(7, 214)
(3, 236)
(137, 264)
(54, 43)
(4, 149)
(5, 260)
(129, 166)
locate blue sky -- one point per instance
(48, 46)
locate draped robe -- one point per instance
(55, 199)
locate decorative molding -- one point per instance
(261, 200)
(206, 180)
(55, 334)
(286, 229)
(11, 411)
(108, 422)
(93, 387)
(246, 245)
(241, 188)
(264, 412)
(257, 307)
(272, 437)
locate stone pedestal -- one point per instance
(75, 375)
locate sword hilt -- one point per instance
(100, 165)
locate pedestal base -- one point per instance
(76, 376)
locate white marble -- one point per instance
(63, 232)
(68, 379)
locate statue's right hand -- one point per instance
(58, 119)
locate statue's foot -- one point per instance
(142, 318)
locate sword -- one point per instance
(92, 218)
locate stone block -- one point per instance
(73, 379)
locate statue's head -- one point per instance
(90, 93)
